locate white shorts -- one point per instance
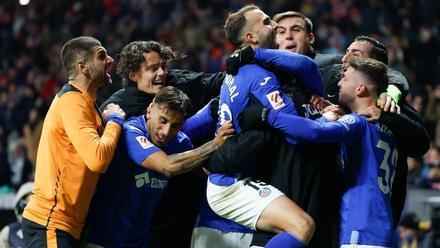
(203, 237)
(243, 201)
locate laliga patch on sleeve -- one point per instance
(144, 142)
(275, 100)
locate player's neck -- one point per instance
(362, 103)
(85, 84)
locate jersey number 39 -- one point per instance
(386, 181)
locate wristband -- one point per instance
(115, 117)
(394, 93)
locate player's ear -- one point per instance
(81, 66)
(250, 37)
(133, 76)
(361, 89)
(149, 109)
(311, 38)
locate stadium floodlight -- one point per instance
(23, 2)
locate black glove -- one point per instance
(213, 107)
(238, 59)
(254, 117)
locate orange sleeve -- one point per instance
(78, 121)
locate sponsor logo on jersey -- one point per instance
(144, 179)
(275, 100)
(264, 192)
(144, 142)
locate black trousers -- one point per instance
(38, 236)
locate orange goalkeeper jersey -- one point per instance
(74, 149)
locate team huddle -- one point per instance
(300, 149)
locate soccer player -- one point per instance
(415, 141)
(245, 205)
(152, 149)
(74, 149)
(143, 68)
(369, 153)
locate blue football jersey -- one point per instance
(234, 98)
(127, 194)
(369, 154)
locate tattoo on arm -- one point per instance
(186, 161)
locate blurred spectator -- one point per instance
(21, 170)
(12, 235)
(415, 167)
(431, 168)
(409, 231)
(31, 134)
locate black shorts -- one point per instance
(36, 235)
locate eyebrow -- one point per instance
(353, 50)
(153, 65)
(101, 51)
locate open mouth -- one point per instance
(291, 47)
(159, 82)
(109, 69)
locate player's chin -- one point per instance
(157, 87)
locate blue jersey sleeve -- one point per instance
(201, 124)
(137, 144)
(346, 129)
(267, 90)
(303, 67)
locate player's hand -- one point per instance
(319, 103)
(224, 132)
(213, 108)
(113, 109)
(254, 117)
(387, 104)
(333, 112)
(238, 59)
(372, 113)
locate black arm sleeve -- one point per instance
(199, 86)
(408, 130)
(399, 189)
(242, 151)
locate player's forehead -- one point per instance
(291, 21)
(98, 49)
(360, 46)
(152, 58)
(172, 116)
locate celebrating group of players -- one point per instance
(302, 149)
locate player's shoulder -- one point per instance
(135, 123)
(353, 119)
(255, 70)
(180, 143)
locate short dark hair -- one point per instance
(173, 99)
(309, 25)
(76, 48)
(132, 56)
(376, 71)
(234, 24)
(378, 51)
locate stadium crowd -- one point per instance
(32, 36)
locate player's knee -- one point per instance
(303, 227)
